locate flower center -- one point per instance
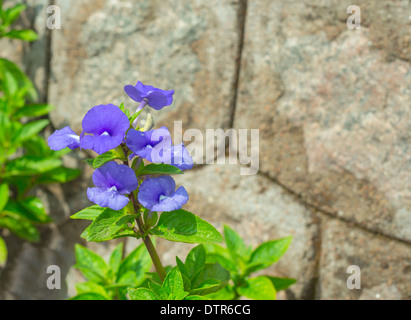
(113, 191)
(72, 137)
(162, 197)
(105, 133)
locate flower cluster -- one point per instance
(107, 128)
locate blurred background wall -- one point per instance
(332, 105)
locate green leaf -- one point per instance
(212, 278)
(29, 130)
(93, 267)
(25, 34)
(116, 257)
(281, 283)
(19, 226)
(89, 296)
(137, 165)
(141, 294)
(36, 207)
(183, 226)
(106, 157)
(10, 84)
(5, 132)
(267, 254)
(4, 195)
(150, 218)
(221, 255)
(89, 162)
(235, 243)
(182, 267)
(37, 146)
(134, 116)
(30, 208)
(259, 288)
(134, 267)
(33, 110)
(3, 253)
(159, 168)
(30, 165)
(157, 290)
(195, 261)
(194, 297)
(22, 85)
(109, 225)
(173, 285)
(92, 287)
(11, 14)
(125, 111)
(58, 175)
(226, 293)
(89, 213)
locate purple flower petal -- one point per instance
(157, 98)
(158, 194)
(116, 175)
(110, 198)
(177, 156)
(172, 203)
(143, 143)
(64, 138)
(107, 124)
(181, 158)
(133, 93)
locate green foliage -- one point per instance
(110, 224)
(191, 280)
(242, 261)
(183, 226)
(25, 158)
(159, 168)
(109, 280)
(106, 157)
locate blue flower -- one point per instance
(64, 138)
(113, 181)
(154, 97)
(179, 157)
(142, 143)
(159, 194)
(155, 146)
(106, 126)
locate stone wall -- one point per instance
(332, 106)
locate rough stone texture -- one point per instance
(331, 105)
(331, 111)
(384, 264)
(105, 45)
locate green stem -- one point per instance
(154, 257)
(146, 238)
(148, 243)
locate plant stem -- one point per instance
(148, 243)
(146, 239)
(154, 257)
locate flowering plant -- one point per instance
(136, 196)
